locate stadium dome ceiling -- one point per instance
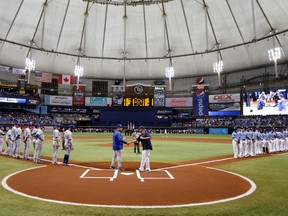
(138, 39)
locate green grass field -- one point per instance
(269, 173)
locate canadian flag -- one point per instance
(65, 79)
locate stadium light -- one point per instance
(79, 73)
(169, 72)
(218, 68)
(29, 65)
(274, 55)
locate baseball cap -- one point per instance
(57, 125)
(142, 127)
(36, 125)
(72, 126)
(119, 126)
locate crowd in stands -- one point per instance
(8, 118)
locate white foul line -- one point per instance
(85, 173)
(139, 176)
(194, 164)
(169, 174)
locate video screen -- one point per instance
(265, 103)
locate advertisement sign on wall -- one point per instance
(159, 97)
(218, 130)
(179, 102)
(58, 100)
(200, 99)
(97, 101)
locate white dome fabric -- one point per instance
(137, 39)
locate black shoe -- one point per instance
(112, 167)
(121, 169)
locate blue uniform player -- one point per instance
(118, 147)
(145, 139)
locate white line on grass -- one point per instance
(194, 164)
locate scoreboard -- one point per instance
(138, 102)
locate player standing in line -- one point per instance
(145, 139)
(271, 141)
(242, 136)
(282, 141)
(34, 130)
(286, 139)
(118, 147)
(27, 142)
(235, 143)
(39, 139)
(2, 134)
(249, 135)
(281, 103)
(258, 142)
(68, 144)
(135, 136)
(56, 144)
(63, 138)
(265, 137)
(13, 136)
(17, 143)
(8, 139)
(278, 135)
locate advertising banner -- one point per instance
(200, 99)
(179, 102)
(117, 99)
(159, 97)
(96, 101)
(12, 100)
(218, 130)
(224, 98)
(78, 96)
(58, 100)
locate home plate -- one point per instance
(127, 173)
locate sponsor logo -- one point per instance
(138, 89)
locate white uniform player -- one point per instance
(286, 139)
(17, 143)
(8, 139)
(27, 142)
(13, 136)
(33, 133)
(68, 144)
(56, 144)
(2, 134)
(39, 139)
(235, 143)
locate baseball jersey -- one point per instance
(56, 135)
(27, 133)
(235, 136)
(13, 132)
(8, 135)
(18, 133)
(282, 105)
(242, 135)
(39, 134)
(118, 141)
(146, 143)
(271, 135)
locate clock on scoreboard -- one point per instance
(138, 102)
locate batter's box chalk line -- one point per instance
(142, 179)
(111, 178)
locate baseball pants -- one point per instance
(282, 144)
(117, 156)
(145, 160)
(242, 148)
(1, 144)
(16, 148)
(286, 143)
(55, 152)
(27, 144)
(277, 144)
(38, 149)
(235, 145)
(252, 147)
(272, 146)
(8, 150)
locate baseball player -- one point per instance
(145, 139)
(39, 139)
(258, 142)
(27, 142)
(2, 134)
(33, 134)
(13, 136)
(285, 134)
(118, 147)
(265, 138)
(235, 143)
(272, 141)
(282, 141)
(249, 136)
(17, 142)
(282, 103)
(135, 136)
(277, 139)
(68, 144)
(8, 139)
(242, 144)
(56, 144)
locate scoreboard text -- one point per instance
(138, 102)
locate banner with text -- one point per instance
(224, 105)
(159, 97)
(97, 101)
(224, 98)
(117, 96)
(78, 96)
(58, 100)
(179, 102)
(200, 99)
